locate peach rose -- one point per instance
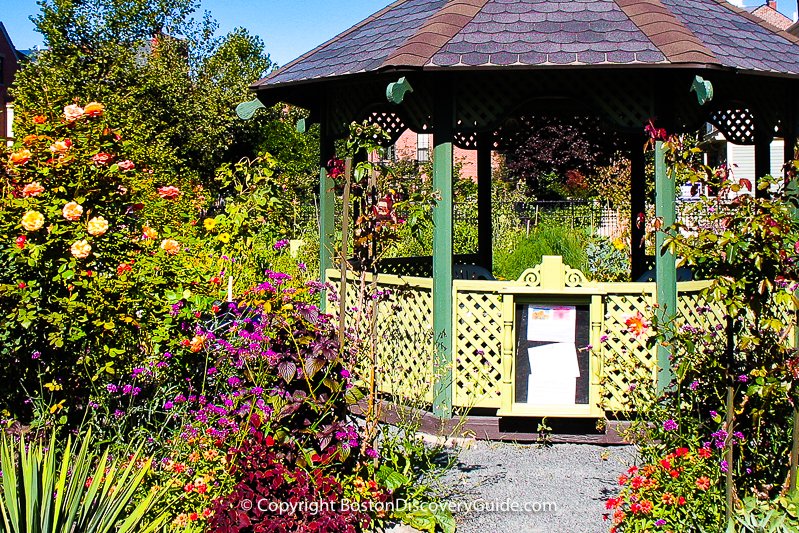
(81, 249)
(20, 158)
(61, 146)
(149, 233)
(93, 109)
(126, 165)
(169, 193)
(73, 112)
(32, 220)
(72, 211)
(102, 158)
(97, 226)
(32, 189)
(170, 246)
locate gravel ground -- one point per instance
(577, 479)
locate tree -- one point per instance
(172, 79)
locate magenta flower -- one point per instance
(669, 425)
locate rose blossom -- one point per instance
(169, 193)
(126, 165)
(39, 119)
(32, 220)
(61, 146)
(97, 226)
(81, 249)
(73, 112)
(32, 189)
(93, 109)
(20, 158)
(21, 240)
(72, 211)
(170, 246)
(102, 158)
(149, 233)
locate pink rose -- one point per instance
(126, 165)
(102, 159)
(73, 112)
(169, 193)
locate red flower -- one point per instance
(703, 483)
(637, 482)
(269, 440)
(646, 507)
(623, 479)
(637, 324)
(704, 453)
(612, 503)
(657, 134)
(665, 464)
(215, 280)
(215, 308)
(681, 452)
(39, 119)
(123, 268)
(21, 240)
(102, 158)
(636, 508)
(675, 474)
(22, 285)
(681, 500)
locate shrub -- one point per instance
(520, 252)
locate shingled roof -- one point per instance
(490, 34)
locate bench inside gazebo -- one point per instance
(472, 72)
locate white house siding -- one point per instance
(741, 160)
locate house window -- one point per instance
(423, 147)
(390, 153)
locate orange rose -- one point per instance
(149, 233)
(32, 189)
(81, 249)
(20, 158)
(73, 112)
(72, 211)
(170, 246)
(32, 220)
(61, 146)
(97, 226)
(93, 109)
(29, 139)
(197, 343)
(39, 119)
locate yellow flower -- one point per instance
(93, 109)
(20, 158)
(170, 246)
(149, 233)
(209, 223)
(224, 237)
(32, 220)
(72, 211)
(98, 226)
(81, 249)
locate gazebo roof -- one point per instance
(531, 34)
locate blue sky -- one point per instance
(289, 27)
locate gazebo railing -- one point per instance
(485, 336)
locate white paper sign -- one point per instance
(551, 324)
(554, 370)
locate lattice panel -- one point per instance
(466, 140)
(698, 312)
(627, 360)
(477, 372)
(389, 122)
(737, 125)
(421, 267)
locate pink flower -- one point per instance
(126, 165)
(61, 146)
(73, 112)
(637, 324)
(32, 189)
(169, 193)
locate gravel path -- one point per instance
(577, 479)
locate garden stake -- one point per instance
(345, 222)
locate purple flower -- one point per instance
(669, 425)
(371, 452)
(94, 405)
(743, 378)
(282, 243)
(660, 522)
(233, 381)
(127, 389)
(168, 405)
(111, 388)
(212, 371)
(603, 339)
(724, 466)
(119, 413)
(345, 373)
(302, 266)
(713, 414)
(35, 355)
(694, 385)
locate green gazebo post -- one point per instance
(443, 134)
(327, 207)
(665, 262)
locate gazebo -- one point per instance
(471, 72)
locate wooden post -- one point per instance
(443, 133)
(485, 228)
(665, 262)
(327, 209)
(637, 208)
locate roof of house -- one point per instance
(486, 34)
(772, 16)
(794, 29)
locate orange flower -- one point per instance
(81, 249)
(29, 139)
(72, 211)
(20, 158)
(61, 146)
(170, 246)
(149, 233)
(32, 220)
(72, 112)
(668, 499)
(637, 324)
(39, 119)
(169, 193)
(32, 189)
(123, 268)
(94, 109)
(703, 483)
(197, 343)
(97, 226)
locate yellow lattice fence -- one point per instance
(404, 333)
(477, 348)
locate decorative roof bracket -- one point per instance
(246, 110)
(395, 92)
(703, 89)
